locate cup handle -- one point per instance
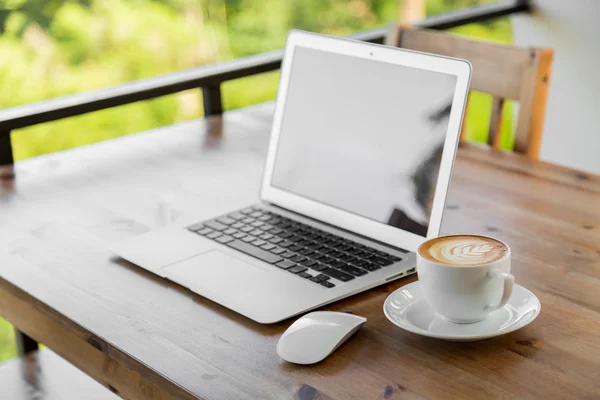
(509, 283)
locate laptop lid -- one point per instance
(364, 136)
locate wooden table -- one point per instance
(146, 338)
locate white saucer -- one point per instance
(407, 309)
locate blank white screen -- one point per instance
(364, 136)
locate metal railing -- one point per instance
(208, 78)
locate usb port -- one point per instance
(410, 271)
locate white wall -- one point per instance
(572, 127)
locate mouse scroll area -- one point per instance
(316, 335)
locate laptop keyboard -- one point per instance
(298, 248)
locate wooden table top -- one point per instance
(146, 338)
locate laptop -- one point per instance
(359, 162)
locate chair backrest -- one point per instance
(505, 72)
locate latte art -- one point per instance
(467, 250)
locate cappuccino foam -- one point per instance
(463, 250)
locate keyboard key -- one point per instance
(254, 251)
(296, 248)
(256, 232)
(226, 220)
(286, 264)
(248, 210)
(256, 208)
(258, 242)
(298, 259)
(288, 254)
(264, 218)
(247, 229)
(204, 231)
(370, 257)
(326, 260)
(257, 224)
(393, 258)
(236, 216)
(286, 244)
(297, 269)
(318, 267)
(238, 225)
(239, 235)
(308, 263)
(225, 239)
(285, 235)
(213, 235)
(249, 239)
(305, 275)
(275, 240)
(196, 227)
(268, 246)
(305, 252)
(256, 214)
(229, 231)
(317, 256)
(248, 220)
(275, 231)
(327, 284)
(339, 275)
(353, 270)
(383, 262)
(320, 278)
(370, 267)
(217, 226)
(266, 236)
(284, 225)
(336, 254)
(278, 250)
(274, 220)
(266, 228)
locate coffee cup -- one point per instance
(465, 277)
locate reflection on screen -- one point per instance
(364, 136)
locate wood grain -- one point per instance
(505, 72)
(146, 338)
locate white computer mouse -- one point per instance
(316, 335)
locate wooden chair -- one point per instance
(505, 72)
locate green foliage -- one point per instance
(52, 48)
(7, 341)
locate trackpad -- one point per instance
(213, 270)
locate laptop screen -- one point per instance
(364, 136)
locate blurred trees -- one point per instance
(51, 48)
